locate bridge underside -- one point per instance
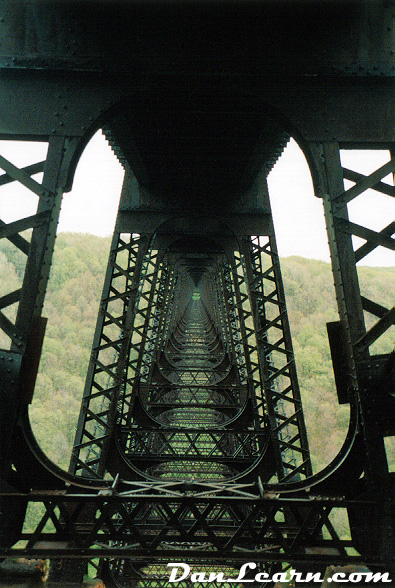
(191, 442)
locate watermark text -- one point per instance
(182, 571)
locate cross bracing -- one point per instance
(192, 379)
(194, 402)
(195, 355)
(192, 363)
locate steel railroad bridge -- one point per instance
(191, 443)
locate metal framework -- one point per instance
(191, 440)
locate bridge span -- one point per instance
(191, 443)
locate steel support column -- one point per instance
(359, 372)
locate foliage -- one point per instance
(72, 305)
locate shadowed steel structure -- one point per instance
(191, 442)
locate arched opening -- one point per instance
(85, 227)
(77, 274)
(303, 248)
(299, 229)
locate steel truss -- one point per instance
(212, 521)
(191, 442)
(192, 368)
(196, 351)
(275, 358)
(357, 368)
(32, 238)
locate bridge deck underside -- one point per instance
(191, 439)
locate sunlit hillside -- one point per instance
(72, 306)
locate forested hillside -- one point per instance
(72, 304)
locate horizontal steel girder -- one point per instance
(215, 527)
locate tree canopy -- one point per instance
(72, 305)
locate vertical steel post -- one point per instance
(30, 299)
(349, 298)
